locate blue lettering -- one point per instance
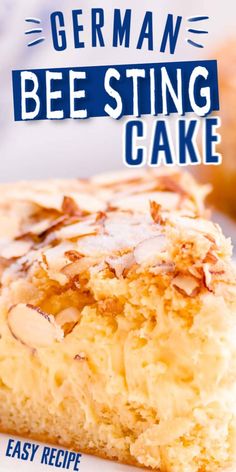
(45, 454)
(65, 459)
(9, 447)
(132, 158)
(58, 462)
(58, 35)
(77, 462)
(97, 25)
(212, 138)
(71, 458)
(34, 450)
(52, 456)
(121, 30)
(161, 145)
(146, 32)
(77, 28)
(171, 33)
(187, 133)
(25, 452)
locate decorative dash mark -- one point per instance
(35, 30)
(196, 31)
(196, 45)
(36, 21)
(36, 41)
(198, 18)
(33, 20)
(191, 30)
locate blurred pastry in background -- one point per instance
(223, 177)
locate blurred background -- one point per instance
(44, 149)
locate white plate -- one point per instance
(87, 464)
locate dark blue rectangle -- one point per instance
(96, 96)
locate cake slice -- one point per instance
(118, 320)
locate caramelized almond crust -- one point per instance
(117, 320)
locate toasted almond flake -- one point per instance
(155, 212)
(78, 267)
(163, 268)
(217, 272)
(9, 227)
(208, 229)
(43, 199)
(135, 187)
(119, 264)
(207, 275)
(210, 258)
(149, 251)
(112, 178)
(80, 357)
(101, 217)
(73, 255)
(171, 183)
(68, 315)
(140, 202)
(52, 227)
(98, 267)
(196, 272)
(15, 249)
(88, 203)
(37, 228)
(126, 233)
(70, 207)
(76, 230)
(187, 284)
(99, 245)
(33, 327)
(67, 319)
(55, 258)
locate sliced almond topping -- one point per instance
(101, 217)
(149, 251)
(70, 207)
(155, 212)
(53, 261)
(163, 268)
(81, 357)
(119, 264)
(67, 319)
(42, 199)
(127, 231)
(79, 266)
(15, 249)
(32, 327)
(119, 178)
(211, 258)
(76, 230)
(209, 230)
(39, 227)
(186, 284)
(207, 276)
(73, 255)
(140, 202)
(99, 245)
(53, 226)
(196, 272)
(88, 202)
(171, 183)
